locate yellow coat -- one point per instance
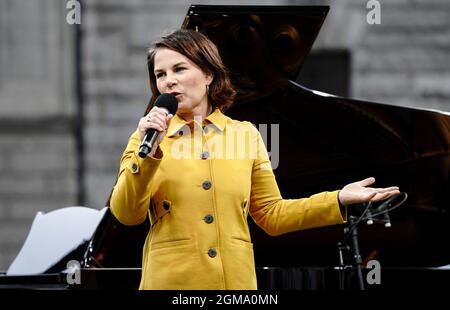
(198, 191)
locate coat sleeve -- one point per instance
(276, 215)
(131, 195)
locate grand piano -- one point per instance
(325, 142)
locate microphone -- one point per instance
(369, 216)
(169, 104)
(383, 209)
(387, 219)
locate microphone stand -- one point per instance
(342, 266)
(353, 231)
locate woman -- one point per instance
(198, 188)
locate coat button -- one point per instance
(205, 155)
(208, 219)
(206, 185)
(134, 167)
(166, 205)
(205, 130)
(212, 252)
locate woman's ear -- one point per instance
(209, 78)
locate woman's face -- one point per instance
(178, 75)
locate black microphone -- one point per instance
(387, 219)
(369, 217)
(169, 104)
(383, 210)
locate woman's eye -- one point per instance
(158, 75)
(180, 69)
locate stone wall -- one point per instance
(37, 104)
(404, 60)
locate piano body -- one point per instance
(325, 141)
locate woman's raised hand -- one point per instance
(359, 192)
(155, 119)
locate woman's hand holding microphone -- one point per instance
(158, 120)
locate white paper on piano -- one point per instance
(52, 236)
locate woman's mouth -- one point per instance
(176, 94)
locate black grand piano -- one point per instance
(326, 141)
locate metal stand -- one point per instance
(352, 230)
(342, 266)
(369, 216)
(355, 249)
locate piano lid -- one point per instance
(261, 45)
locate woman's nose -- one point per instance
(170, 80)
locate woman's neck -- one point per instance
(198, 115)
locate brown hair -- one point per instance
(201, 51)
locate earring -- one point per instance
(207, 89)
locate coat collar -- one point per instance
(217, 118)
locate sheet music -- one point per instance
(52, 236)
